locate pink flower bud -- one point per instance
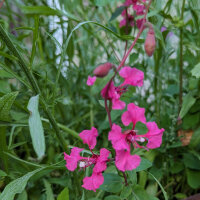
(150, 42)
(102, 70)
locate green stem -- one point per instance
(181, 60)
(33, 84)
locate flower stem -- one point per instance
(125, 178)
(181, 60)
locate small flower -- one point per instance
(113, 93)
(91, 80)
(132, 76)
(98, 161)
(121, 142)
(127, 20)
(89, 137)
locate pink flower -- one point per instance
(125, 161)
(132, 76)
(93, 182)
(113, 93)
(91, 80)
(133, 114)
(89, 137)
(98, 161)
(121, 142)
(73, 158)
(153, 136)
(130, 2)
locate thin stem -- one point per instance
(124, 60)
(125, 178)
(33, 84)
(181, 60)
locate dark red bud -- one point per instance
(150, 42)
(102, 70)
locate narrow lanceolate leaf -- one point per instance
(17, 186)
(5, 105)
(64, 195)
(188, 102)
(49, 192)
(36, 128)
(196, 71)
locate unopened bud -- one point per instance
(102, 70)
(150, 42)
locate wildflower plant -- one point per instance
(123, 140)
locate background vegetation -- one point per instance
(49, 48)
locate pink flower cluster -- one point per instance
(99, 161)
(122, 141)
(128, 19)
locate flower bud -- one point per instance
(102, 70)
(150, 42)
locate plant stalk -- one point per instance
(33, 84)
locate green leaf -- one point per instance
(17, 186)
(188, 102)
(117, 12)
(195, 140)
(2, 173)
(36, 128)
(191, 161)
(180, 196)
(163, 190)
(193, 178)
(5, 105)
(64, 195)
(49, 192)
(103, 2)
(5, 74)
(141, 194)
(126, 192)
(112, 183)
(112, 197)
(23, 196)
(196, 71)
(141, 128)
(40, 10)
(145, 164)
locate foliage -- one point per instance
(50, 49)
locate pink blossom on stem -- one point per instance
(113, 93)
(93, 182)
(153, 136)
(98, 161)
(91, 80)
(89, 137)
(125, 161)
(73, 159)
(133, 114)
(132, 76)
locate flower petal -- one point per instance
(133, 114)
(132, 76)
(93, 182)
(125, 161)
(73, 158)
(89, 137)
(91, 80)
(154, 135)
(118, 139)
(100, 165)
(117, 104)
